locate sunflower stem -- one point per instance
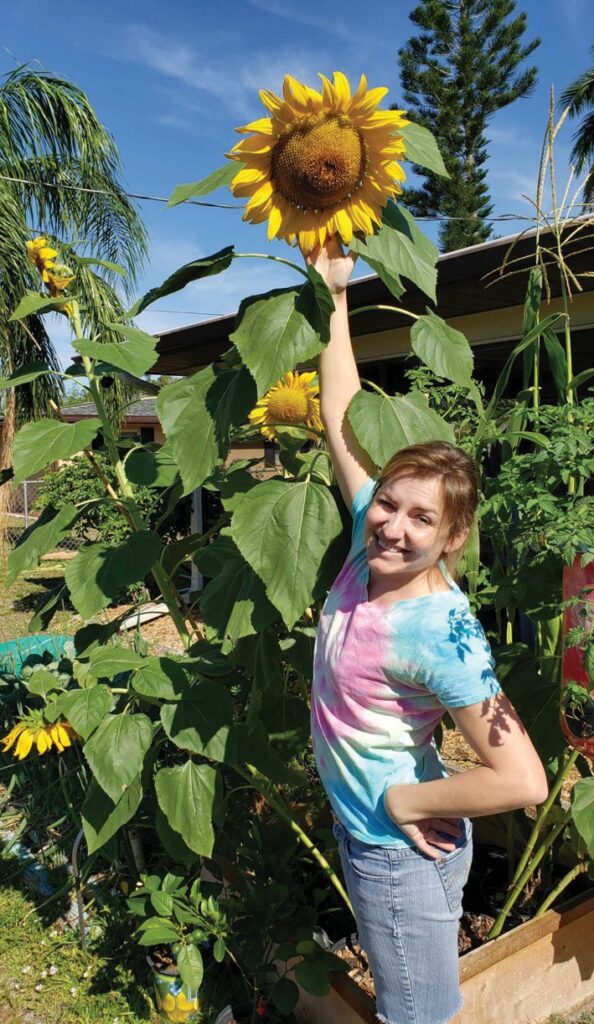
(375, 387)
(391, 309)
(267, 256)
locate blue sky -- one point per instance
(172, 81)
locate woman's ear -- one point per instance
(456, 542)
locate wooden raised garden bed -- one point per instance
(542, 967)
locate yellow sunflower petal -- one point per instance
(295, 93)
(9, 739)
(24, 743)
(344, 225)
(342, 89)
(263, 125)
(270, 100)
(261, 196)
(43, 741)
(275, 219)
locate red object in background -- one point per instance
(579, 730)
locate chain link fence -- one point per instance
(23, 511)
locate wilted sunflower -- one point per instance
(293, 400)
(325, 163)
(41, 255)
(59, 278)
(33, 731)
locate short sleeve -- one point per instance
(459, 663)
(361, 503)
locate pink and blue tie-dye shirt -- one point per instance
(383, 675)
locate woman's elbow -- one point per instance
(536, 787)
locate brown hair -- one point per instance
(457, 473)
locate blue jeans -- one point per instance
(407, 909)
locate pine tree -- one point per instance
(455, 74)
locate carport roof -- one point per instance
(468, 282)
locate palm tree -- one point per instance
(579, 97)
(52, 145)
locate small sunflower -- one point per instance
(324, 163)
(41, 255)
(32, 731)
(59, 278)
(293, 400)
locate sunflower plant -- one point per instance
(198, 746)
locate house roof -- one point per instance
(468, 282)
(144, 409)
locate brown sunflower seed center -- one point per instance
(287, 406)
(319, 161)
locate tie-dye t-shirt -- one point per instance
(383, 675)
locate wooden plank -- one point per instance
(542, 967)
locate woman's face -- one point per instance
(406, 532)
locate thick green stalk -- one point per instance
(127, 491)
(524, 868)
(271, 794)
(578, 869)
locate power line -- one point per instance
(501, 218)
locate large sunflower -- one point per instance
(292, 401)
(325, 163)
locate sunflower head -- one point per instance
(292, 401)
(32, 731)
(59, 278)
(41, 255)
(324, 163)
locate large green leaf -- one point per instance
(46, 609)
(557, 362)
(151, 468)
(172, 842)
(25, 375)
(198, 414)
(116, 751)
(276, 331)
(216, 179)
(206, 266)
(42, 536)
(102, 817)
(136, 354)
(98, 573)
(582, 810)
(201, 719)
(443, 349)
(285, 530)
(400, 249)
(190, 966)
(234, 602)
(96, 634)
(107, 661)
(186, 795)
(37, 444)
(35, 303)
(422, 149)
(85, 709)
(159, 679)
(285, 995)
(383, 425)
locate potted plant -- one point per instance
(177, 921)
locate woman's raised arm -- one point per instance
(339, 377)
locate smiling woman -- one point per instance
(396, 645)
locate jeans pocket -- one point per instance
(371, 863)
(453, 869)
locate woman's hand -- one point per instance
(425, 834)
(330, 261)
(427, 838)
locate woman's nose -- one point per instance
(393, 526)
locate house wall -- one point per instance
(480, 328)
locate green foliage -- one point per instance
(77, 483)
(38, 444)
(462, 66)
(383, 424)
(400, 244)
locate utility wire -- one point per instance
(501, 218)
